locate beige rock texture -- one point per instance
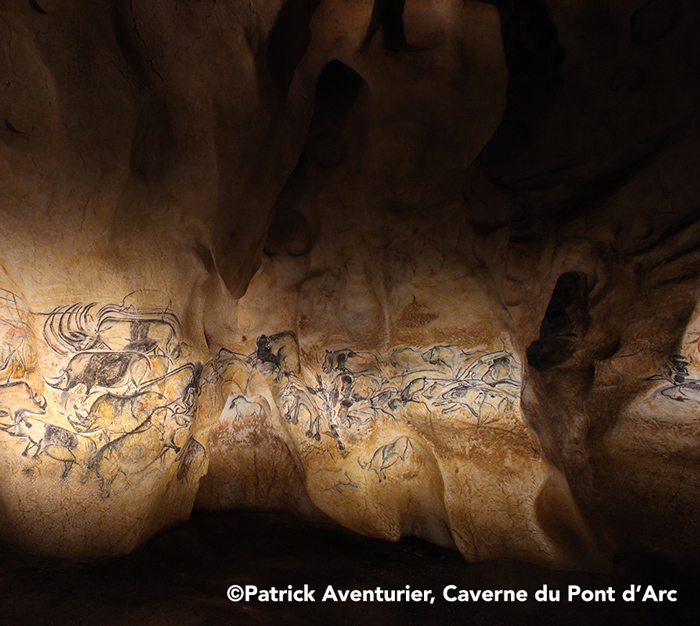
(419, 267)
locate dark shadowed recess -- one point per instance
(181, 577)
(154, 147)
(564, 323)
(289, 232)
(387, 15)
(289, 40)
(534, 58)
(130, 43)
(655, 19)
(337, 89)
(36, 5)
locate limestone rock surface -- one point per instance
(416, 266)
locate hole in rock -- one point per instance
(289, 40)
(337, 89)
(530, 38)
(37, 7)
(564, 323)
(534, 58)
(388, 15)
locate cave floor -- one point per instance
(180, 577)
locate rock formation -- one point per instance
(416, 266)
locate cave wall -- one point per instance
(418, 267)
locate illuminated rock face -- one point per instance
(98, 423)
(416, 267)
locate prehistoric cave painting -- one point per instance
(190, 459)
(55, 442)
(695, 341)
(354, 388)
(298, 405)
(340, 481)
(215, 372)
(124, 327)
(244, 409)
(349, 392)
(387, 456)
(106, 369)
(17, 354)
(447, 379)
(229, 374)
(679, 385)
(276, 353)
(120, 396)
(18, 399)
